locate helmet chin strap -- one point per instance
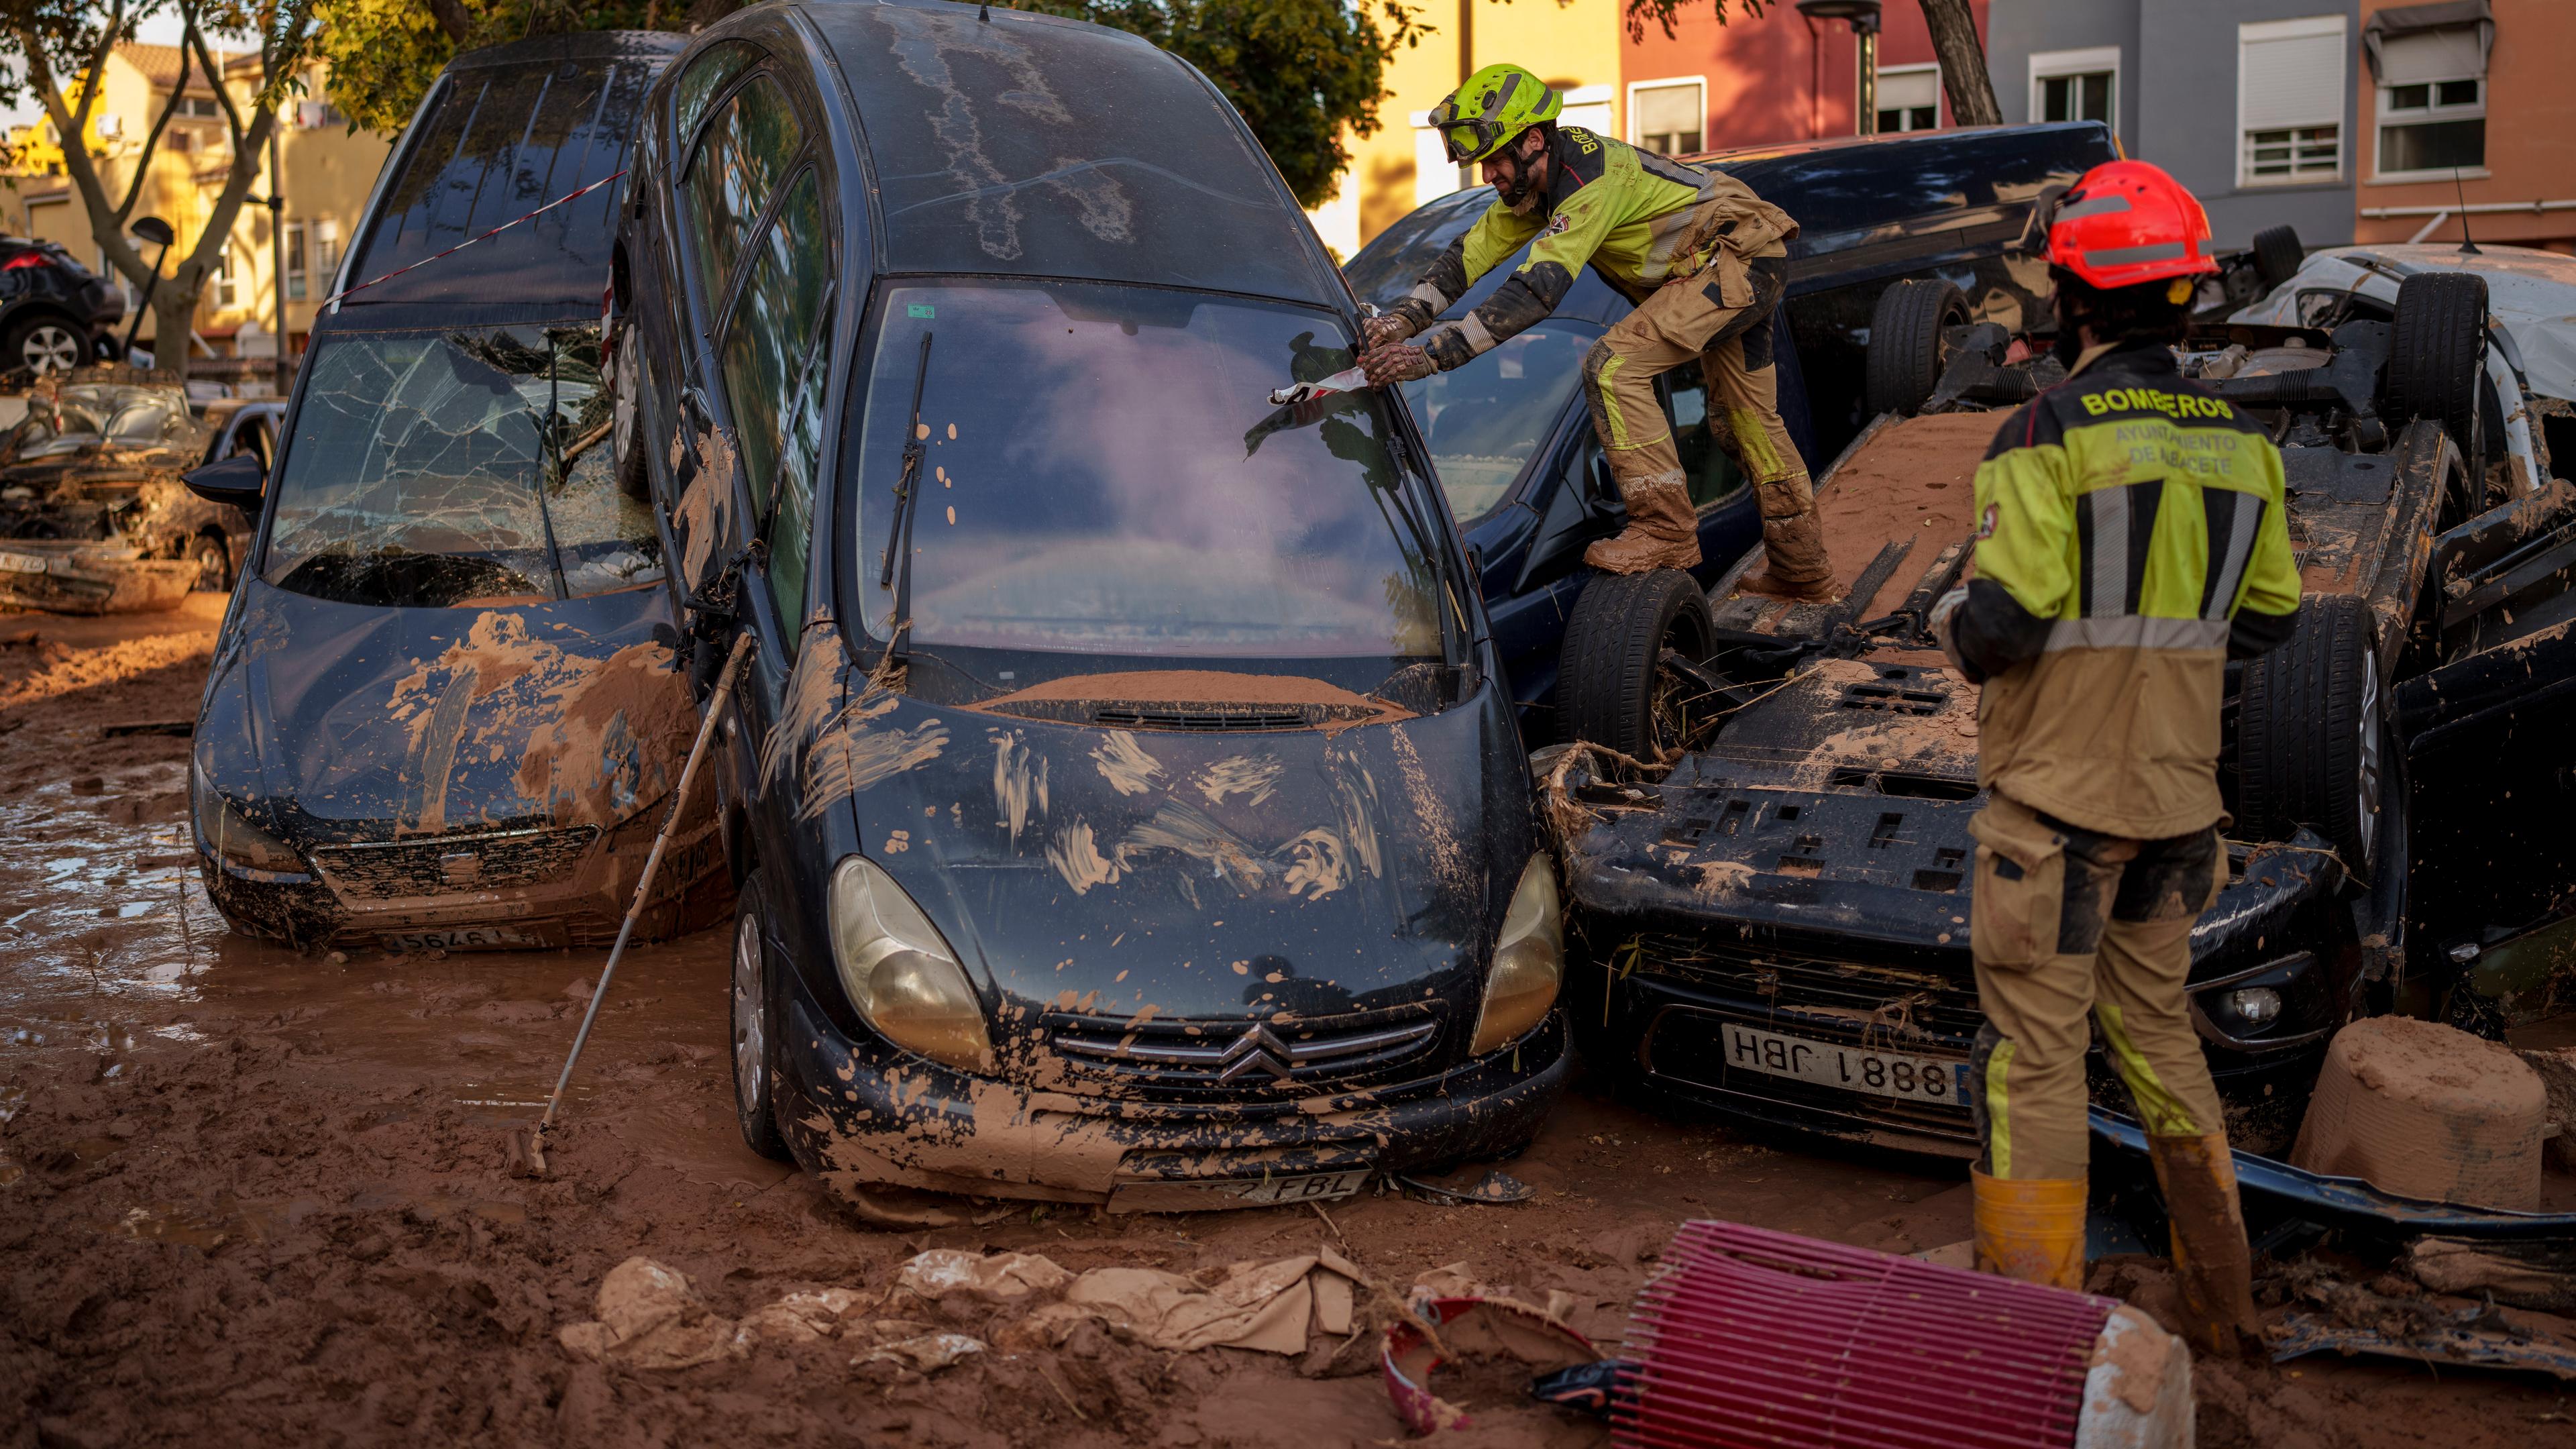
(1523, 182)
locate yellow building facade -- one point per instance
(1574, 45)
(326, 173)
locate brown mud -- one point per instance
(1915, 481)
(252, 1196)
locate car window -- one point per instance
(748, 150)
(771, 323)
(789, 530)
(429, 471)
(1104, 474)
(1484, 420)
(706, 76)
(146, 421)
(1712, 471)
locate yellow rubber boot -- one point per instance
(2210, 1255)
(2031, 1228)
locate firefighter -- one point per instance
(2130, 541)
(1704, 260)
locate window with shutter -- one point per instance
(1909, 97)
(2289, 100)
(2432, 102)
(2076, 85)
(1668, 116)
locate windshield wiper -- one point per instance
(899, 533)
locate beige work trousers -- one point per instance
(2066, 923)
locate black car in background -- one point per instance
(55, 314)
(1148, 825)
(444, 710)
(1513, 442)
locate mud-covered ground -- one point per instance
(252, 1196)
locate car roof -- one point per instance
(505, 130)
(1014, 144)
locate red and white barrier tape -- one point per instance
(335, 297)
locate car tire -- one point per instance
(2437, 354)
(1611, 687)
(42, 345)
(214, 560)
(752, 1025)
(1906, 351)
(625, 397)
(2277, 255)
(2311, 728)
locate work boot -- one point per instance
(1662, 531)
(2031, 1228)
(2210, 1257)
(1794, 566)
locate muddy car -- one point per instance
(97, 461)
(1126, 804)
(1509, 432)
(445, 710)
(1781, 915)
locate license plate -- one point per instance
(1232, 1192)
(1854, 1069)
(466, 938)
(1318, 1187)
(21, 563)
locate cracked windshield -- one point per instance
(1104, 473)
(1484, 420)
(457, 468)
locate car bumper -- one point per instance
(863, 1114)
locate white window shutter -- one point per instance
(2431, 55)
(2290, 73)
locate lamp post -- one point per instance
(1863, 15)
(277, 249)
(152, 229)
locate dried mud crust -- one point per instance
(1914, 480)
(249, 1196)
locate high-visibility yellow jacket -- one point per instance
(2130, 536)
(1637, 218)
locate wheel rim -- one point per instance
(50, 348)
(210, 565)
(621, 412)
(750, 1047)
(2368, 784)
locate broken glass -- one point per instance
(433, 470)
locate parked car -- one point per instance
(1781, 919)
(97, 461)
(1147, 825)
(55, 314)
(444, 711)
(1510, 433)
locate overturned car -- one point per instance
(93, 516)
(1773, 872)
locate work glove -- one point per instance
(1385, 330)
(1387, 366)
(1944, 626)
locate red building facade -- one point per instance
(1760, 80)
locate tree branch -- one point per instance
(152, 143)
(194, 37)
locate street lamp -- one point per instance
(152, 229)
(1863, 15)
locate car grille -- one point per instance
(441, 865)
(1236, 1057)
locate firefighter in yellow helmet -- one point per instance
(2130, 541)
(1703, 258)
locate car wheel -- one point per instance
(43, 346)
(2277, 254)
(627, 383)
(1906, 350)
(2437, 353)
(753, 1023)
(2310, 727)
(214, 564)
(1613, 684)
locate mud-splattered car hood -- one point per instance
(1163, 873)
(349, 721)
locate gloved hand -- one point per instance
(1943, 623)
(1385, 330)
(1396, 363)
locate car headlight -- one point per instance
(900, 975)
(1529, 961)
(234, 840)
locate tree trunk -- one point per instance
(1963, 63)
(173, 316)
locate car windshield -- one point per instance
(1103, 473)
(465, 467)
(71, 417)
(1486, 418)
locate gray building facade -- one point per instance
(2253, 104)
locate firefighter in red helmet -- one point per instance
(2130, 541)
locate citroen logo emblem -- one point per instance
(1256, 1048)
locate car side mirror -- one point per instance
(237, 480)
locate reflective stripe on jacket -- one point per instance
(2130, 532)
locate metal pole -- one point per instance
(277, 247)
(1868, 79)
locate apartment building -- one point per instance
(326, 173)
(1755, 80)
(2458, 111)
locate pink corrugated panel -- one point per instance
(1751, 1339)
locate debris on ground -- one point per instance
(2426, 1110)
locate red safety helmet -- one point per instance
(2127, 222)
